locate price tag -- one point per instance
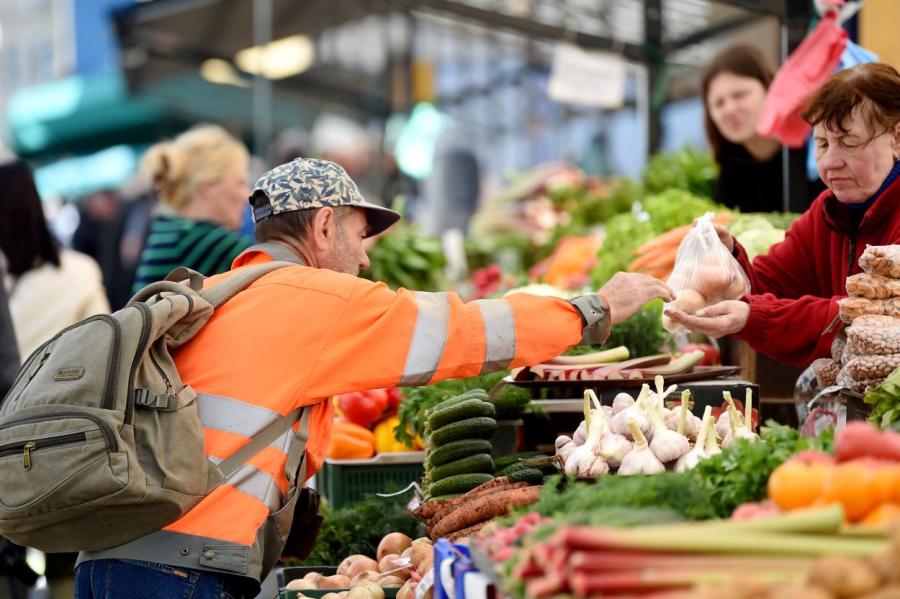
(425, 584)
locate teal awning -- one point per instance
(78, 114)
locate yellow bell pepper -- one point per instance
(385, 441)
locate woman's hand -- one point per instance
(726, 238)
(718, 320)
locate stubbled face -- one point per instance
(346, 253)
(855, 164)
(734, 103)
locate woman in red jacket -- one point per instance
(792, 309)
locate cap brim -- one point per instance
(378, 218)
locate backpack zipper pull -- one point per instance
(27, 454)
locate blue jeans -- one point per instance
(132, 579)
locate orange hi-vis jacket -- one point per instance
(296, 337)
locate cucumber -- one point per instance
(480, 462)
(518, 466)
(459, 483)
(457, 411)
(508, 460)
(455, 450)
(480, 427)
(529, 475)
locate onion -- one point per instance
(395, 542)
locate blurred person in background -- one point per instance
(201, 180)
(734, 88)
(49, 288)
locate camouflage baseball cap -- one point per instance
(306, 183)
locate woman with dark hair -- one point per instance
(750, 165)
(49, 288)
(792, 305)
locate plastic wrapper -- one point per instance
(873, 286)
(705, 272)
(871, 367)
(852, 308)
(881, 260)
(826, 371)
(867, 338)
(837, 346)
(860, 385)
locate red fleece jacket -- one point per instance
(795, 287)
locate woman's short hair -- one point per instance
(25, 238)
(203, 154)
(744, 61)
(873, 87)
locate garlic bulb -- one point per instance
(741, 428)
(613, 448)
(723, 424)
(634, 412)
(666, 445)
(621, 402)
(609, 411)
(566, 450)
(690, 460)
(562, 440)
(584, 460)
(580, 434)
(640, 460)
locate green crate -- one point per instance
(347, 481)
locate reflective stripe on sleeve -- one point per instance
(429, 338)
(233, 416)
(499, 334)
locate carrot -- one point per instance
(653, 260)
(669, 238)
(485, 508)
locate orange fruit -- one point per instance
(881, 515)
(853, 485)
(798, 484)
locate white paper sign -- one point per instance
(587, 77)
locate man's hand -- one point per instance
(718, 320)
(626, 292)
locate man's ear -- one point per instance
(323, 228)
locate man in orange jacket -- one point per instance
(302, 334)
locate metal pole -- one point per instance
(653, 34)
(262, 86)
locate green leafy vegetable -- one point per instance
(358, 528)
(406, 257)
(690, 170)
(885, 401)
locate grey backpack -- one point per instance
(100, 441)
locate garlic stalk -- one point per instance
(740, 428)
(682, 420)
(613, 446)
(636, 413)
(690, 460)
(712, 444)
(659, 397)
(666, 445)
(621, 402)
(640, 460)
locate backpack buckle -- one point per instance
(147, 399)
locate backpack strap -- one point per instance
(241, 278)
(266, 436)
(183, 273)
(276, 250)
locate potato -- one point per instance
(300, 584)
(407, 552)
(331, 596)
(367, 576)
(390, 582)
(362, 564)
(844, 576)
(359, 593)
(689, 301)
(425, 566)
(394, 542)
(338, 581)
(348, 561)
(422, 540)
(314, 577)
(419, 553)
(374, 589)
(408, 590)
(387, 564)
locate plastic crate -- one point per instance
(347, 481)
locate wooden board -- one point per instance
(698, 373)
